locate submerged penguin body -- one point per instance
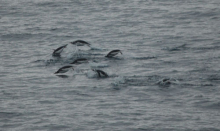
(113, 53)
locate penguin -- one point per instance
(167, 81)
(56, 52)
(113, 53)
(64, 69)
(80, 43)
(101, 74)
(79, 61)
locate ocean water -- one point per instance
(167, 78)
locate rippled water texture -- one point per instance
(166, 79)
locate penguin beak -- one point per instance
(73, 68)
(120, 52)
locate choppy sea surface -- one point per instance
(167, 79)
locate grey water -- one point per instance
(168, 77)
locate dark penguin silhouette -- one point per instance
(63, 76)
(80, 43)
(57, 51)
(79, 61)
(113, 53)
(64, 69)
(100, 73)
(167, 81)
